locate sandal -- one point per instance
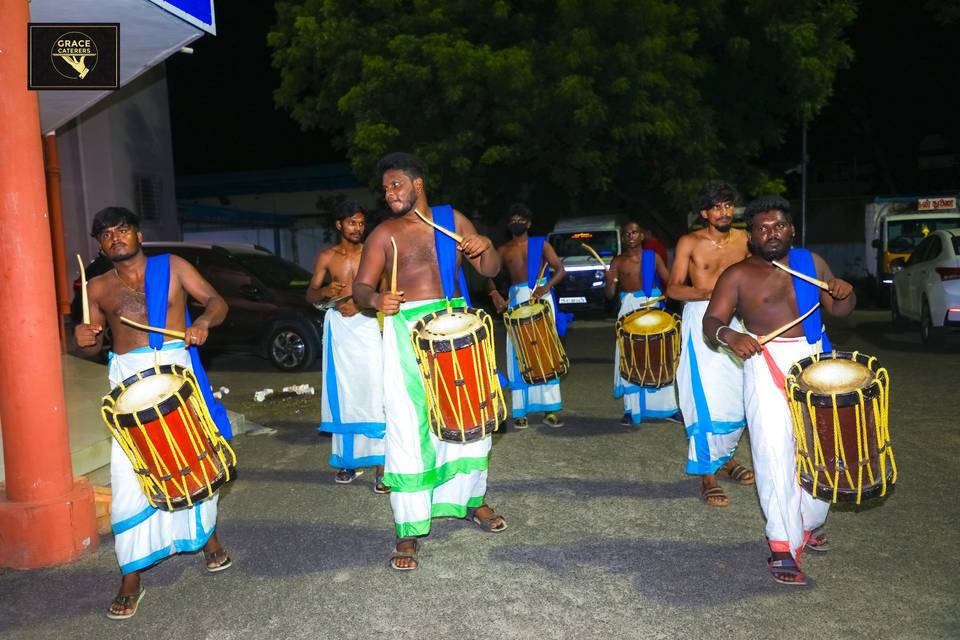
(553, 420)
(714, 497)
(346, 476)
(397, 554)
(217, 560)
(520, 423)
(818, 542)
(740, 474)
(487, 523)
(129, 601)
(786, 567)
(379, 487)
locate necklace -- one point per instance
(124, 283)
(720, 245)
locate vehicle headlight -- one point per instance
(896, 267)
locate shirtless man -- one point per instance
(145, 535)
(351, 404)
(428, 477)
(709, 381)
(767, 298)
(637, 275)
(516, 255)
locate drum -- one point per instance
(533, 331)
(161, 422)
(649, 341)
(839, 403)
(454, 349)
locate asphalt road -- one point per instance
(607, 537)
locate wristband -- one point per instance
(717, 335)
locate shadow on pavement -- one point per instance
(588, 489)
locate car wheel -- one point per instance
(290, 347)
(930, 335)
(896, 318)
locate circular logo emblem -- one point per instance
(74, 55)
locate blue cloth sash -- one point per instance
(648, 271)
(157, 288)
(807, 296)
(450, 273)
(534, 259)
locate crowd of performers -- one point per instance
(379, 401)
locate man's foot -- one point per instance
(125, 605)
(552, 420)
(379, 487)
(738, 473)
(712, 494)
(818, 542)
(346, 476)
(786, 571)
(520, 424)
(676, 417)
(625, 420)
(217, 560)
(487, 519)
(404, 556)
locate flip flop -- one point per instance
(130, 601)
(379, 487)
(397, 554)
(220, 557)
(818, 542)
(487, 523)
(714, 493)
(787, 566)
(741, 475)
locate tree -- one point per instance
(575, 105)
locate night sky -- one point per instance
(896, 101)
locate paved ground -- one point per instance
(607, 538)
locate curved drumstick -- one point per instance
(393, 273)
(776, 332)
(594, 254)
(453, 235)
(173, 333)
(85, 302)
(820, 283)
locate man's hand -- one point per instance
(332, 290)
(540, 291)
(473, 246)
(85, 335)
(839, 289)
(348, 308)
(196, 334)
(388, 303)
(498, 302)
(741, 344)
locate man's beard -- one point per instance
(723, 228)
(769, 254)
(123, 257)
(406, 208)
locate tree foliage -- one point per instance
(576, 105)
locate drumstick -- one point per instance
(594, 254)
(173, 333)
(85, 302)
(820, 283)
(776, 332)
(456, 237)
(393, 273)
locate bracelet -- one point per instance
(717, 335)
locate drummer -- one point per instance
(709, 382)
(637, 275)
(429, 478)
(767, 298)
(136, 289)
(523, 256)
(351, 406)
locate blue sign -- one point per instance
(199, 13)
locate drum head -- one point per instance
(450, 326)
(148, 392)
(527, 310)
(647, 323)
(835, 376)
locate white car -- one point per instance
(927, 286)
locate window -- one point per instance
(146, 195)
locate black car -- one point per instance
(269, 314)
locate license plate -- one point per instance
(573, 300)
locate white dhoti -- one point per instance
(428, 477)
(640, 403)
(144, 535)
(351, 403)
(791, 513)
(529, 398)
(710, 389)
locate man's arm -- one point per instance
(839, 300)
(372, 264)
(677, 287)
(477, 248)
(214, 306)
(556, 264)
(611, 278)
(89, 337)
(316, 292)
(716, 319)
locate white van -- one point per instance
(582, 289)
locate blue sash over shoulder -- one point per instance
(450, 274)
(808, 295)
(534, 259)
(157, 288)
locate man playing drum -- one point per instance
(636, 275)
(523, 256)
(135, 290)
(768, 300)
(709, 381)
(351, 404)
(429, 477)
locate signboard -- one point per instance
(199, 13)
(73, 55)
(936, 204)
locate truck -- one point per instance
(895, 226)
(582, 289)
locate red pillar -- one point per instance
(46, 517)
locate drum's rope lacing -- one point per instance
(629, 365)
(540, 354)
(805, 430)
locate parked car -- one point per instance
(269, 315)
(582, 289)
(926, 286)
